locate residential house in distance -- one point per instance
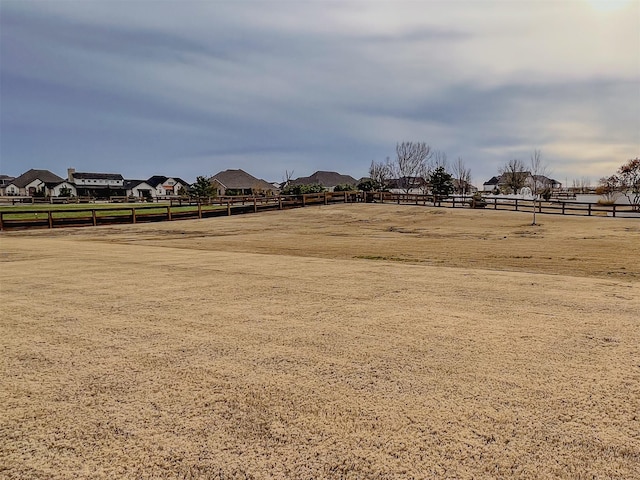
(33, 182)
(63, 189)
(96, 185)
(408, 185)
(4, 181)
(139, 189)
(167, 186)
(329, 180)
(239, 182)
(541, 181)
(491, 184)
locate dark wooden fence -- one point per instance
(559, 207)
(179, 209)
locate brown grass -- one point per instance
(348, 341)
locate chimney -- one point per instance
(70, 172)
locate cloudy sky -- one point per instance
(188, 88)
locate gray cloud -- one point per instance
(269, 86)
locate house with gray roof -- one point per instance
(239, 182)
(167, 186)
(97, 185)
(329, 180)
(5, 180)
(33, 182)
(139, 189)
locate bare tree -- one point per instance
(439, 159)
(513, 175)
(286, 180)
(461, 176)
(380, 173)
(539, 180)
(411, 158)
(581, 184)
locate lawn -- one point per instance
(342, 341)
(29, 212)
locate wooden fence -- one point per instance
(559, 207)
(179, 209)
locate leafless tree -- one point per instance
(411, 158)
(461, 176)
(581, 185)
(380, 173)
(439, 159)
(539, 180)
(513, 175)
(286, 180)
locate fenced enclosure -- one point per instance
(191, 208)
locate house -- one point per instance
(96, 185)
(544, 182)
(167, 186)
(539, 181)
(239, 182)
(139, 189)
(329, 180)
(491, 184)
(32, 182)
(62, 189)
(408, 184)
(4, 181)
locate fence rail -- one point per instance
(179, 209)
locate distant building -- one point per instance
(239, 182)
(96, 185)
(5, 180)
(329, 180)
(32, 182)
(139, 189)
(541, 182)
(167, 186)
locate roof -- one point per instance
(129, 184)
(326, 179)
(99, 176)
(239, 179)
(30, 175)
(6, 179)
(160, 179)
(492, 181)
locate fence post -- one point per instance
(495, 203)
(563, 205)
(326, 201)
(133, 214)
(614, 210)
(228, 207)
(345, 197)
(589, 209)
(169, 212)
(1, 220)
(93, 216)
(255, 205)
(534, 204)
(304, 199)
(280, 202)
(199, 209)
(50, 219)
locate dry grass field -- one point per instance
(344, 341)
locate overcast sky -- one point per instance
(188, 88)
